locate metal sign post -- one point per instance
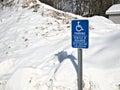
(79, 69)
(80, 40)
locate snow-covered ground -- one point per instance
(36, 52)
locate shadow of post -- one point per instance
(63, 55)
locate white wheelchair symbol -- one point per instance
(79, 27)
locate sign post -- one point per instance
(80, 40)
(79, 75)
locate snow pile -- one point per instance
(36, 52)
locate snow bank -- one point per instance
(36, 52)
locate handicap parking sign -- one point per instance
(80, 33)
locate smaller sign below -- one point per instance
(80, 33)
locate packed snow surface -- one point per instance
(36, 52)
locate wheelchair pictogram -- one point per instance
(79, 27)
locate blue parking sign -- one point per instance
(80, 33)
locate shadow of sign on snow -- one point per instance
(63, 55)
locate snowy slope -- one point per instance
(36, 52)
